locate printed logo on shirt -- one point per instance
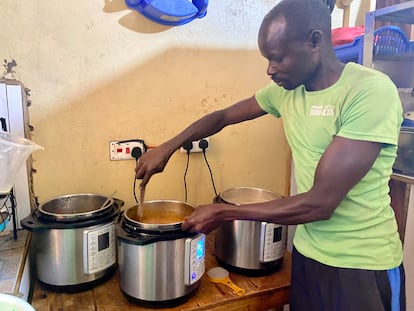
(323, 111)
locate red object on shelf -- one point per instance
(345, 35)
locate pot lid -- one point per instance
(76, 207)
(248, 195)
(158, 215)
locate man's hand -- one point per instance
(204, 219)
(150, 163)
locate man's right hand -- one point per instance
(151, 162)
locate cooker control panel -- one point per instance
(272, 241)
(99, 248)
(194, 266)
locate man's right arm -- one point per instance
(154, 161)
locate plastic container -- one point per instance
(388, 40)
(13, 303)
(351, 52)
(171, 13)
(14, 151)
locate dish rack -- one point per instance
(388, 40)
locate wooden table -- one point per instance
(262, 293)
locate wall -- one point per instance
(98, 71)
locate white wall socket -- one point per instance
(122, 150)
(196, 147)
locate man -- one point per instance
(342, 123)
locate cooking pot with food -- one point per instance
(249, 247)
(74, 240)
(159, 264)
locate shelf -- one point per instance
(396, 57)
(399, 13)
(396, 14)
(403, 178)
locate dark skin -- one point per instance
(310, 62)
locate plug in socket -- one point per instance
(196, 146)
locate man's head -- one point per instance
(295, 36)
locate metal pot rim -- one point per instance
(230, 195)
(173, 226)
(102, 209)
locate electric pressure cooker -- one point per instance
(159, 264)
(74, 240)
(249, 247)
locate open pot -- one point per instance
(73, 240)
(159, 264)
(249, 247)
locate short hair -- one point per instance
(301, 17)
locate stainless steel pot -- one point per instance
(250, 247)
(159, 265)
(73, 240)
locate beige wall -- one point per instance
(98, 72)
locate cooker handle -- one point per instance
(31, 223)
(118, 202)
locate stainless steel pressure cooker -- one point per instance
(159, 264)
(249, 247)
(74, 240)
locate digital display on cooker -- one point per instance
(200, 249)
(103, 241)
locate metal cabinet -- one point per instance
(399, 13)
(400, 68)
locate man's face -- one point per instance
(291, 63)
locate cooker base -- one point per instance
(160, 304)
(268, 268)
(77, 288)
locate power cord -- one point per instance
(203, 144)
(136, 153)
(187, 146)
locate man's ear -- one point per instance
(315, 38)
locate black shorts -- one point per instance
(318, 287)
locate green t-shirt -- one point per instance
(362, 105)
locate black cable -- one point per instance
(187, 146)
(136, 153)
(185, 176)
(135, 194)
(211, 173)
(14, 218)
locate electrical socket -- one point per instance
(196, 147)
(122, 150)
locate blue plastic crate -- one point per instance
(351, 52)
(388, 40)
